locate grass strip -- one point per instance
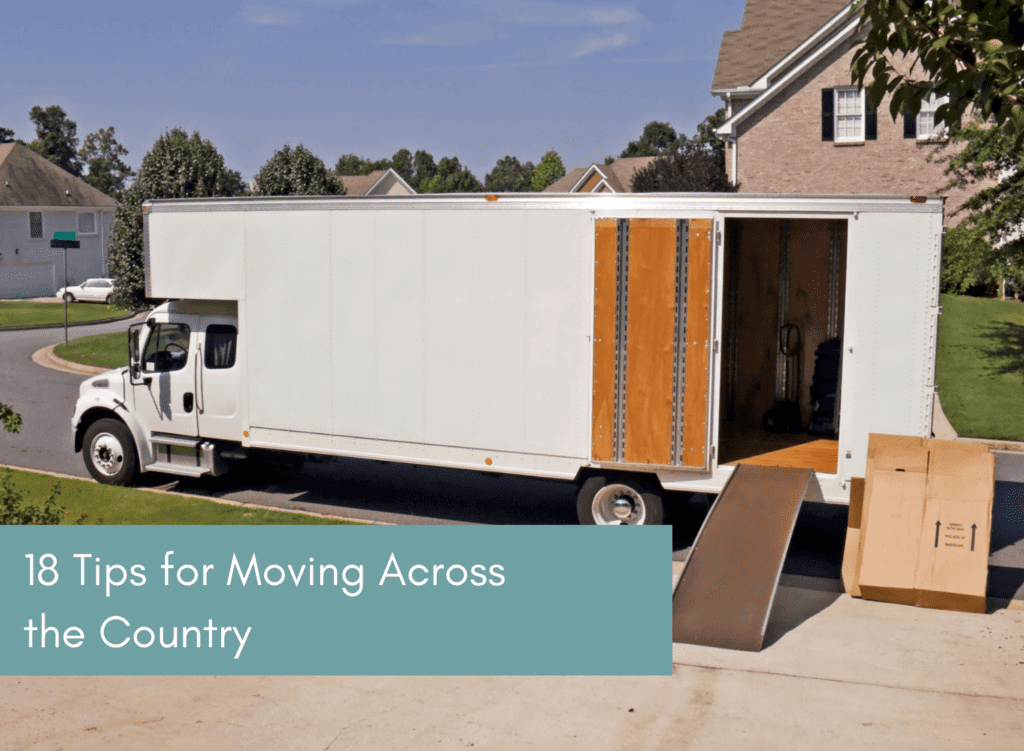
(18, 313)
(102, 350)
(105, 504)
(980, 366)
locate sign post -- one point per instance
(65, 240)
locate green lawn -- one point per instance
(113, 505)
(18, 313)
(102, 350)
(980, 370)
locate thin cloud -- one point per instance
(591, 46)
(261, 15)
(539, 13)
(454, 34)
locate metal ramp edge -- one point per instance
(725, 595)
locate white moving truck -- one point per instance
(631, 343)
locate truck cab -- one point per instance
(175, 408)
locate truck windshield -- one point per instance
(167, 348)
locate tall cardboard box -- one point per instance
(926, 523)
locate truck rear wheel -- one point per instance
(619, 500)
(109, 452)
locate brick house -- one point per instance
(38, 198)
(795, 124)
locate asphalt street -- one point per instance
(395, 493)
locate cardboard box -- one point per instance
(925, 525)
(853, 550)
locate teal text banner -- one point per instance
(376, 600)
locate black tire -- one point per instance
(68, 297)
(107, 300)
(596, 500)
(109, 452)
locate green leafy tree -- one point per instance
(6, 135)
(691, 165)
(510, 176)
(451, 177)
(56, 138)
(401, 162)
(178, 166)
(987, 247)
(548, 170)
(295, 172)
(423, 168)
(350, 164)
(972, 50)
(102, 154)
(657, 138)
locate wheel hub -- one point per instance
(107, 454)
(619, 504)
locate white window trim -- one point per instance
(42, 223)
(95, 224)
(933, 102)
(860, 137)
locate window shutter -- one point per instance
(870, 120)
(909, 125)
(827, 115)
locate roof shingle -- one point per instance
(27, 179)
(770, 30)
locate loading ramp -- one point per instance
(726, 591)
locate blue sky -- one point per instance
(477, 79)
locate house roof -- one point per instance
(616, 177)
(27, 179)
(378, 182)
(770, 30)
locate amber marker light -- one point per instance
(491, 197)
(918, 199)
(245, 433)
(488, 461)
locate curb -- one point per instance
(223, 501)
(47, 359)
(75, 325)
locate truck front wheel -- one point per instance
(109, 452)
(619, 500)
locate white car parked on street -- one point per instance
(97, 290)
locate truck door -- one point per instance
(164, 389)
(217, 391)
(652, 342)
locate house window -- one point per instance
(35, 225)
(923, 126)
(87, 223)
(846, 116)
(849, 115)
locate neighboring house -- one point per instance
(795, 124)
(38, 198)
(616, 177)
(378, 183)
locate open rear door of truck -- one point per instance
(652, 342)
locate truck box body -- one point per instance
(542, 335)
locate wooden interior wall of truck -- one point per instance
(753, 371)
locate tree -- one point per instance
(972, 50)
(657, 138)
(548, 170)
(692, 165)
(987, 246)
(6, 135)
(178, 166)
(509, 176)
(350, 164)
(687, 171)
(56, 138)
(451, 177)
(295, 172)
(102, 154)
(424, 168)
(401, 162)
